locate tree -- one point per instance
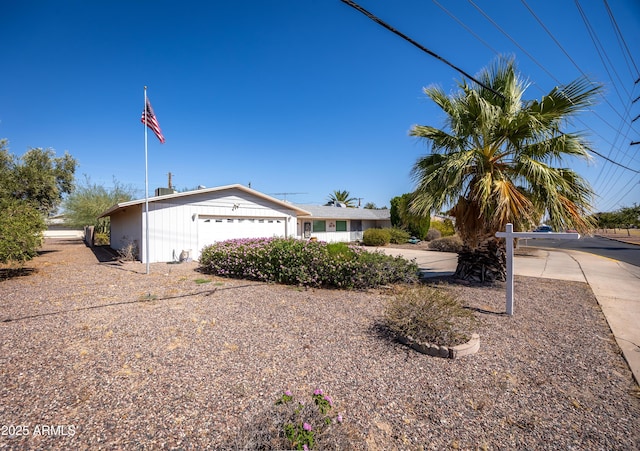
(89, 200)
(342, 197)
(496, 162)
(402, 217)
(38, 177)
(21, 227)
(31, 187)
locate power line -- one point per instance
(619, 33)
(463, 25)
(598, 45)
(617, 130)
(554, 78)
(420, 46)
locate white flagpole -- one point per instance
(146, 184)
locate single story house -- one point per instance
(190, 220)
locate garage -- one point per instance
(212, 229)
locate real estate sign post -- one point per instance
(510, 235)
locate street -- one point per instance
(628, 253)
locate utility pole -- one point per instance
(170, 185)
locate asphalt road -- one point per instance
(628, 253)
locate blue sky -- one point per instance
(296, 96)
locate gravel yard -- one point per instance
(102, 356)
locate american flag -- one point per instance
(151, 121)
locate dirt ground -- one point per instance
(96, 354)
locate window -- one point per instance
(319, 226)
(341, 226)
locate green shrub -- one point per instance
(429, 315)
(101, 239)
(445, 227)
(446, 244)
(433, 234)
(398, 236)
(21, 227)
(376, 237)
(308, 263)
(299, 424)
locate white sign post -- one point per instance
(509, 235)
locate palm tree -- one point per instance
(497, 161)
(342, 197)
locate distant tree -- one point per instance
(370, 206)
(38, 177)
(31, 187)
(342, 197)
(89, 200)
(629, 217)
(402, 217)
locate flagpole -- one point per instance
(146, 184)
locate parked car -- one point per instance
(544, 228)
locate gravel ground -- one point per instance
(102, 356)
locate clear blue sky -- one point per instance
(295, 96)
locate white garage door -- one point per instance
(213, 229)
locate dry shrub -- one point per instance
(446, 244)
(429, 315)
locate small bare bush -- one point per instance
(433, 234)
(129, 253)
(430, 315)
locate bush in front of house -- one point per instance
(445, 227)
(398, 236)
(376, 237)
(307, 263)
(433, 234)
(446, 244)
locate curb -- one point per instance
(621, 240)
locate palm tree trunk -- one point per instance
(486, 263)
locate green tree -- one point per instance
(89, 200)
(496, 162)
(402, 217)
(38, 177)
(629, 217)
(31, 187)
(21, 227)
(342, 197)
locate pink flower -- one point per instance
(328, 399)
(318, 392)
(339, 418)
(305, 447)
(306, 427)
(288, 393)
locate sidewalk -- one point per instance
(615, 284)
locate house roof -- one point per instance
(299, 210)
(328, 212)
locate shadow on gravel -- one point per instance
(143, 300)
(104, 254)
(10, 273)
